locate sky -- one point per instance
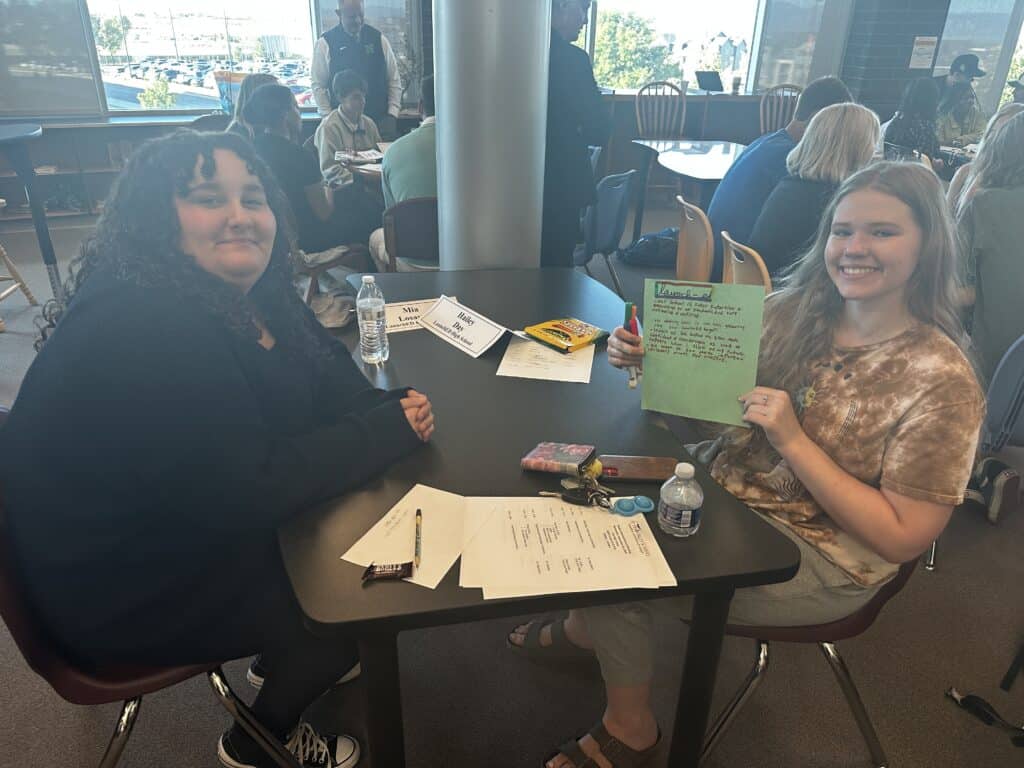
(692, 20)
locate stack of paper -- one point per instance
(516, 546)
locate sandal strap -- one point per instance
(572, 750)
(617, 753)
(532, 640)
(558, 637)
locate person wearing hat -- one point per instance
(1018, 90)
(964, 69)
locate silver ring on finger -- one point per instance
(765, 401)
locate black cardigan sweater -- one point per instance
(151, 455)
(789, 221)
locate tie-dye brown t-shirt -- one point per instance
(903, 414)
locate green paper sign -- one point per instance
(701, 342)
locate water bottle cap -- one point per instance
(368, 278)
(684, 471)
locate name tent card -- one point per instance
(405, 315)
(701, 343)
(461, 327)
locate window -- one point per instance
(45, 59)
(799, 41)
(988, 29)
(638, 41)
(187, 55)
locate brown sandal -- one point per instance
(561, 648)
(614, 751)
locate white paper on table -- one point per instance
(393, 538)
(531, 546)
(462, 327)
(479, 510)
(405, 315)
(533, 360)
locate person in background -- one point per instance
(323, 217)
(864, 427)
(742, 192)
(346, 129)
(992, 230)
(961, 121)
(913, 127)
(249, 84)
(191, 406)
(839, 141)
(964, 69)
(354, 44)
(961, 179)
(576, 120)
(1018, 90)
(409, 167)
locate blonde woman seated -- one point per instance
(864, 427)
(245, 91)
(965, 176)
(839, 141)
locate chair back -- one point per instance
(1003, 422)
(660, 111)
(605, 220)
(778, 105)
(695, 252)
(215, 121)
(411, 233)
(742, 265)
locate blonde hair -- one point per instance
(839, 140)
(806, 311)
(1000, 158)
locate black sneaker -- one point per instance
(256, 673)
(999, 485)
(310, 748)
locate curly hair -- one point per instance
(137, 239)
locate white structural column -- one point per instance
(491, 86)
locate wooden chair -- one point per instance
(695, 252)
(742, 265)
(411, 236)
(15, 278)
(660, 111)
(778, 105)
(126, 683)
(825, 636)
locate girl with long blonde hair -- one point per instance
(866, 419)
(965, 181)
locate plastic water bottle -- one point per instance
(373, 333)
(680, 503)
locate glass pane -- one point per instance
(189, 55)
(643, 40)
(397, 20)
(787, 44)
(45, 62)
(978, 27)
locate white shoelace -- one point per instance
(306, 744)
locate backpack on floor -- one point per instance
(656, 250)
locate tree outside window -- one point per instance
(627, 53)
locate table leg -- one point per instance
(17, 154)
(703, 649)
(378, 655)
(641, 195)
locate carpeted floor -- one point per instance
(470, 702)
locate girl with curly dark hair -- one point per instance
(186, 404)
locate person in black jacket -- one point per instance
(838, 142)
(913, 128)
(576, 119)
(186, 404)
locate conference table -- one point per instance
(484, 424)
(703, 162)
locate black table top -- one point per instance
(13, 132)
(485, 423)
